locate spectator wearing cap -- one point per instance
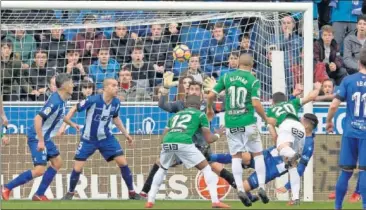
(216, 51)
(128, 89)
(104, 67)
(143, 72)
(55, 43)
(89, 41)
(159, 50)
(194, 69)
(39, 74)
(24, 46)
(122, 43)
(353, 44)
(10, 74)
(327, 55)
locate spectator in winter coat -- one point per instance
(121, 44)
(352, 46)
(104, 67)
(56, 45)
(128, 89)
(39, 74)
(23, 46)
(12, 82)
(216, 51)
(194, 69)
(159, 50)
(89, 41)
(327, 56)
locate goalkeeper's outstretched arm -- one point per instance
(171, 107)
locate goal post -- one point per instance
(200, 11)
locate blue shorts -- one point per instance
(352, 151)
(41, 158)
(109, 148)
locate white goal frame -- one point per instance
(307, 8)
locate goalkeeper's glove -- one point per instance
(209, 84)
(168, 80)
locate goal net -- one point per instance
(136, 47)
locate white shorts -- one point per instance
(291, 131)
(244, 139)
(187, 153)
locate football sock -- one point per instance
(295, 183)
(23, 178)
(341, 188)
(74, 179)
(362, 183)
(127, 176)
(147, 185)
(157, 180)
(357, 190)
(238, 173)
(46, 180)
(228, 176)
(260, 168)
(211, 181)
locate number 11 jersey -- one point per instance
(240, 88)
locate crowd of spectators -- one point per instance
(138, 56)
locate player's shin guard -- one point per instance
(260, 168)
(341, 188)
(74, 179)
(238, 173)
(362, 183)
(295, 183)
(228, 176)
(46, 180)
(211, 181)
(127, 176)
(157, 180)
(149, 179)
(23, 178)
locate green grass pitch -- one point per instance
(161, 204)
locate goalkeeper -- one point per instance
(174, 107)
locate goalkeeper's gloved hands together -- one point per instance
(209, 84)
(168, 80)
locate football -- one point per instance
(181, 53)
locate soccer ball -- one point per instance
(223, 187)
(181, 53)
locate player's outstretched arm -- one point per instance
(331, 112)
(312, 95)
(212, 137)
(70, 114)
(273, 132)
(210, 99)
(118, 122)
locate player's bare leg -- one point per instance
(23, 178)
(127, 176)
(238, 174)
(74, 179)
(211, 181)
(48, 176)
(155, 185)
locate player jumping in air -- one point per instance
(198, 139)
(177, 142)
(242, 98)
(101, 109)
(275, 166)
(46, 124)
(352, 90)
(291, 133)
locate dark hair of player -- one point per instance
(312, 119)
(363, 57)
(193, 101)
(61, 79)
(278, 97)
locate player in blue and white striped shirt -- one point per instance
(46, 124)
(101, 109)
